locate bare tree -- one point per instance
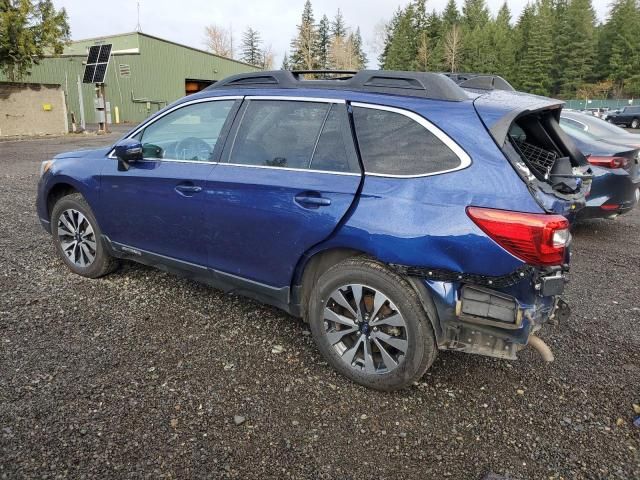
(267, 58)
(219, 40)
(424, 51)
(452, 46)
(342, 53)
(377, 40)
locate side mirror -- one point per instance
(128, 150)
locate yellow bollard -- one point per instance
(117, 113)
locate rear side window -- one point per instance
(394, 144)
(277, 133)
(572, 123)
(334, 151)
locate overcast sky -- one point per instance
(183, 21)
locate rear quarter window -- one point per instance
(392, 143)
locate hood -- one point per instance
(84, 153)
(499, 108)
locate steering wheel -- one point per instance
(192, 148)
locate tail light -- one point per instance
(608, 162)
(536, 238)
(614, 206)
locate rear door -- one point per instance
(288, 176)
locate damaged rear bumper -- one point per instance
(499, 317)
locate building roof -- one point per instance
(127, 43)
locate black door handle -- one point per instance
(311, 200)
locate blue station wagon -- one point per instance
(396, 212)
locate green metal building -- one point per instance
(145, 74)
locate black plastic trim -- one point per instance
(276, 296)
(413, 84)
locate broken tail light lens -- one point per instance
(535, 238)
(608, 162)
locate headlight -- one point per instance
(45, 166)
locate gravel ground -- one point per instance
(143, 374)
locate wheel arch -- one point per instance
(57, 191)
(313, 265)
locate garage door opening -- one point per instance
(194, 86)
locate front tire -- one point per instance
(77, 238)
(370, 325)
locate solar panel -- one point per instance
(89, 71)
(97, 63)
(93, 54)
(105, 51)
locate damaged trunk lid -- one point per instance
(527, 130)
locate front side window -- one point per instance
(394, 144)
(188, 133)
(278, 133)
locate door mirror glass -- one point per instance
(128, 150)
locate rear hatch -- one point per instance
(527, 130)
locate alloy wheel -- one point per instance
(77, 238)
(366, 329)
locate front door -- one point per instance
(158, 205)
(288, 176)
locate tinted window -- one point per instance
(394, 144)
(278, 133)
(189, 133)
(335, 145)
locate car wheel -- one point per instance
(77, 238)
(370, 325)
(635, 123)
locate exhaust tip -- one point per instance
(541, 347)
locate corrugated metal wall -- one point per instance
(156, 74)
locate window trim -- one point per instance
(465, 159)
(235, 128)
(167, 112)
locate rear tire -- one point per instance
(635, 123)
(78, 239)
(383, 341)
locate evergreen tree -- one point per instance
(580, 50)
(391, 28)
(304, 46)
(358, 49)
(536, 61)
(620, 47)
(474, 14)
(402, 47)
(503, 60)
(522, 36)
(285, 62)
(477, 55)
(323, 43)
(250, 47)
(338, 27)
(450, 15)
(561, 41)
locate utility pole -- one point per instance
(81, 101)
